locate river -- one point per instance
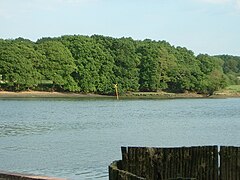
(78, 138)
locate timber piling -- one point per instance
(182, 163)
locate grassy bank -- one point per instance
(234, 88)
(230, 91)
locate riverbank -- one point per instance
(44, 94)
(163, 95)
(141, 95)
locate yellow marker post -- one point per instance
(116, 90)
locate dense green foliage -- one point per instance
(231, 67)
(94, 64)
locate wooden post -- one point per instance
(116, 90)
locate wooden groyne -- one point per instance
(188, 163)
(230, 163)
(4, 175)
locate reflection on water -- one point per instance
(78, 139)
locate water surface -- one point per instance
(79, 138)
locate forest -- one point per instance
(93, 64)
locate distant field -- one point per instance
(233, 88)
(230, 91)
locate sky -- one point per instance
(203, 26)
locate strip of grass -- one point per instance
(233, 88)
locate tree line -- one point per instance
(93, 64)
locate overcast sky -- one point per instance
(204, 26)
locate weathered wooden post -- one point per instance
(116, 90)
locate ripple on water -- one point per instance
(21, 129)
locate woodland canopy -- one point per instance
(93, 64)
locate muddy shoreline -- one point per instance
(44, 94)
(141, 95)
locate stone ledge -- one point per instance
(4, 175)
